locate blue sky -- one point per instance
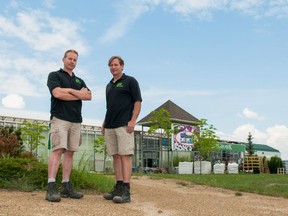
(224, 60)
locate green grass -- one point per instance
(29, 174)
(264, 184)
(96, 182)
(26, 174)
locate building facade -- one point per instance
(151, 151)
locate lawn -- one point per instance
(265, 184)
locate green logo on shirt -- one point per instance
(119, 85)
(78, 81)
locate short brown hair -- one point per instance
(121, 61)
(70, 50)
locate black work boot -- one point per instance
(125, 197)
(67, 191)
(117, 191)
(52, 194)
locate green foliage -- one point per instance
(32, 134)
(83, 162)
(178, 159)
(92, 181)
(161, 120)
(274, 163)
(100, 147)
(205, 139)
(10, 168)
(28, 174)
(264, 184)
(24, 171)
(10, 142)
(250, 146)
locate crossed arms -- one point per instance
(70, 94)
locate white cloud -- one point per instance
(25, 71)
(43, 32)
(277, 8)
(278, 138)
(242, 132)
(251, 114)
(246, 4)
(204, 9)
(13, 101)
(17, 84)
(21, 63)
(129, 12)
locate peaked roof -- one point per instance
(178, 115)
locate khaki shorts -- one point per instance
(119, 141)
(65, 134)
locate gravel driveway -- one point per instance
(149, 197)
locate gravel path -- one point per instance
(149, 198)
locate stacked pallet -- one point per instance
(253, 164)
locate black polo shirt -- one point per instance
(65, 110)
(120, 99)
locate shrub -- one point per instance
(24, 172)
(11, 168)
(274, 163)
(28, 174)
(178, 159)
(10, 142)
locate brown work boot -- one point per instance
(117, 191)
(124, 197)
(68, 192)
(52, 194)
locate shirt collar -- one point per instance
(121, 78)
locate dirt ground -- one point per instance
(149, 197)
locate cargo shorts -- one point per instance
(119, 141)
(65, 135)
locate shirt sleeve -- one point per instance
(135, 90)
(53, 81)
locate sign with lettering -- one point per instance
(183, 137)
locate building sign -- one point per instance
(183, 138)
(232, 147)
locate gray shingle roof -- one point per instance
(178, 115)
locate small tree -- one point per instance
(205, 139)
(32, 134)
(100, 147)
(250, 146)
(161, 121)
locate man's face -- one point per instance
(115, 67)
(70, 61)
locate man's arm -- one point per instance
(83, 94)
(71, 94)
(136, 112)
